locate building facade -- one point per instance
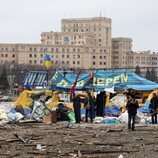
(144, 59)
(121, 48)
(82, 43)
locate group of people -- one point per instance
(93, 106)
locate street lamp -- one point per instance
(11, 80)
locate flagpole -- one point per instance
(47, 65)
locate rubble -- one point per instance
(44, 132)
(83, 140)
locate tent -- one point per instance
(120, 79)
(35, 78)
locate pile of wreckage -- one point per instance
(45, 105)
(38, 107)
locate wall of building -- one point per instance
(121, 48)
(82, 43)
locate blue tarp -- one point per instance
(120, 79)
(112, 110)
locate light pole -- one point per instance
(11, 80)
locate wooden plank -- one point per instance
(106, 151)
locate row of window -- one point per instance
(80, 24)
(101, 50)
(35, 62)
(65, 50)
(31, 49)
(63, 62)
(6, 61)
(62, 37)
(115, 57)
(6, 55)
(149, 58)
(154, 58)
(101, 57)
(79, 42)
(124, 47)
(100, 63)
(81, 30)
(7, 49)
(35, 55)
(64, 56)
(55, 62)
(55, 49)
(147, 63)
(53, 56)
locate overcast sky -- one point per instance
(22, 21)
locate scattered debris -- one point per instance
(120, 156)
(114, 130)
(84, 140)
(25, 141)
(40, 147)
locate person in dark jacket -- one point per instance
(100, 104)
(90, 107)
(77, 106)
(132, 106)
(153, 108)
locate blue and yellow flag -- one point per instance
(47, 61)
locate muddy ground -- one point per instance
(38, 140)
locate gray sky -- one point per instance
(22, 21)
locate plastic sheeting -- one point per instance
(119, 100)
(112, 110)
(110, 120)
(120, 79)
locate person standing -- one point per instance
(100, 103)
(90, 107)
(77, 107)
(153, 108)
(132, 106)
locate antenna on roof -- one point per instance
(104, 12)
(71, 15)
(100, 13)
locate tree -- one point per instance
(4, 85)
(137, 70)
(148, 74)
(153, 75)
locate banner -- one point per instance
(103, 80)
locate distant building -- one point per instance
(82, 43)
(144, 59)
(121, 48)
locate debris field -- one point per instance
(39, 140)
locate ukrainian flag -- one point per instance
(47, 61)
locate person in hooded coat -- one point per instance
(132, 106)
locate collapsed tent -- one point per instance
(101, 80)
(35, 78)
(120, 79)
